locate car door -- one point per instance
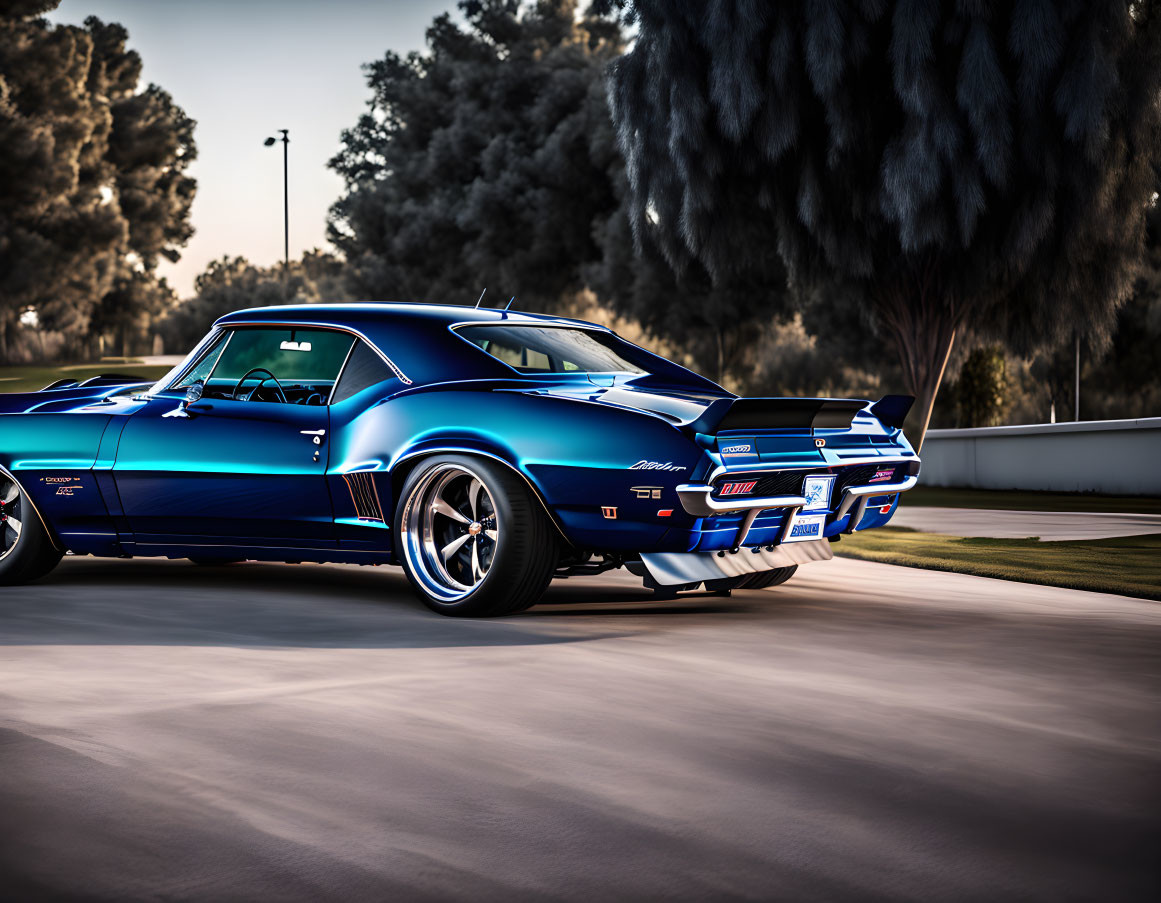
(245, 464)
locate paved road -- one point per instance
(310, 733)
(1047, 525)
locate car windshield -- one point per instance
(292, 355)
(551, 349)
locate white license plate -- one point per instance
(805, 527)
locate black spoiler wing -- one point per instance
(796, 413)
(776, 414)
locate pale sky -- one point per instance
(243, 69)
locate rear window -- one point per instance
(550, 349)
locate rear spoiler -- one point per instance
(776, 414)
(796, 413)
(892, 410)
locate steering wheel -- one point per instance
(253, 372)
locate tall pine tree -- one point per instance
(93, 179)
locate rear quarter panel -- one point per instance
(576, 454)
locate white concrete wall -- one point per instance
(1121, 457)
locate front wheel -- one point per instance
(473, 539)
(26, 550)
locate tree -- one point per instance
(93, 183)
(981, 392)
(973, 163)
(473, 166)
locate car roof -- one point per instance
(356, 314)
(416, 338)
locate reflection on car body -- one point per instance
(484, 451)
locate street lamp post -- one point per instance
(269, 142)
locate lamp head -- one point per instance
(269, 141)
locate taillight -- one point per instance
(738, 488)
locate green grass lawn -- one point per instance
(1014, 500)
(1129, 565)
(31, 378)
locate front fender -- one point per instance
(52, 456)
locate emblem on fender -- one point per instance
(820, 443)
(609, 512)
(656, 465)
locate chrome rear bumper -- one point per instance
(697, 498)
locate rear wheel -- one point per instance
(26, 550)
(473, 539)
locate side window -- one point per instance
(364, 368)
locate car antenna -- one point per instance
(484, 292)
(509, 304)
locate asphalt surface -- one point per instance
(1049, 526)
(310, 733)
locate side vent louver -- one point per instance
(365, 496)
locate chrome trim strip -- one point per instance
(674, 568)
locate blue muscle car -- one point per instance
(485, 451)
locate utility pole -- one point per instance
(1076, 390)
(269, 142)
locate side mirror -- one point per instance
(193, 394)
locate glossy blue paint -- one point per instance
(147, 475)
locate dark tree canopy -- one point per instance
(491, 160)
(93, 183)
(977, 163)
(473, 167)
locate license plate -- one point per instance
(816, 490)
(805, 527)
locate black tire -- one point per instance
(760, 580)
(503, 526)
(27, 554)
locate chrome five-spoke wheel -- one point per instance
(451, 531)
(473, 537)
(11, 516)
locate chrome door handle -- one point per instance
(318, 434)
